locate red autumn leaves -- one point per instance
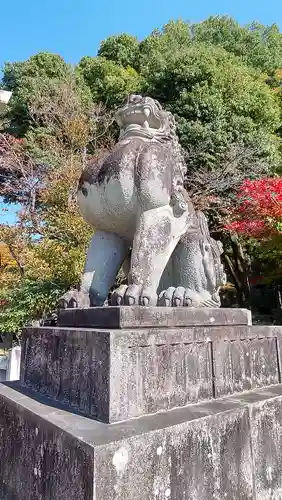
(258, 212)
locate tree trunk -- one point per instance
(238, 267)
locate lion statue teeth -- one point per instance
(134, 198)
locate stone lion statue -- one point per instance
(143, 219)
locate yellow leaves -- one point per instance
(15, 241)
(9, 271)
(60, 252)
(51, 260)
(50, 240)
(6, 258)
(62, 182)
(78, 131)
(278, 82)
(8, 267)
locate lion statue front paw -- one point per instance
(74, 299)
(184, 297)
(131, 295)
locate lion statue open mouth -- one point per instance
(134, 198)
(143, 117)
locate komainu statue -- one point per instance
(143, 219)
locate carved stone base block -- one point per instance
(226, 449)
(114, 375)
(152, 317)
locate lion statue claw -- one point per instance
(135, 199)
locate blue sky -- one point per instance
(75, 28)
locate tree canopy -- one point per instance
(255, 44)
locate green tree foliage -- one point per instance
(43, 64)
(108, 81)
(257, 45)
(41, 73)
(217, 100)
(172, 36)
(41, 172)
(122, 49)
(46, 248)
(28, 301)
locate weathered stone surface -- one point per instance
(134, 197)
(72, 366)
(266, 434)
(244, 364)
(147, 317)
(117, 374)
(114, 375)
(220, 449)
(150, 378)
(205, 458)
(40, 460)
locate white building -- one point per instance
(4, 99)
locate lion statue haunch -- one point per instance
(135, 199)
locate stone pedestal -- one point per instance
(204, 384)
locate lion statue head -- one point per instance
(144, 117)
